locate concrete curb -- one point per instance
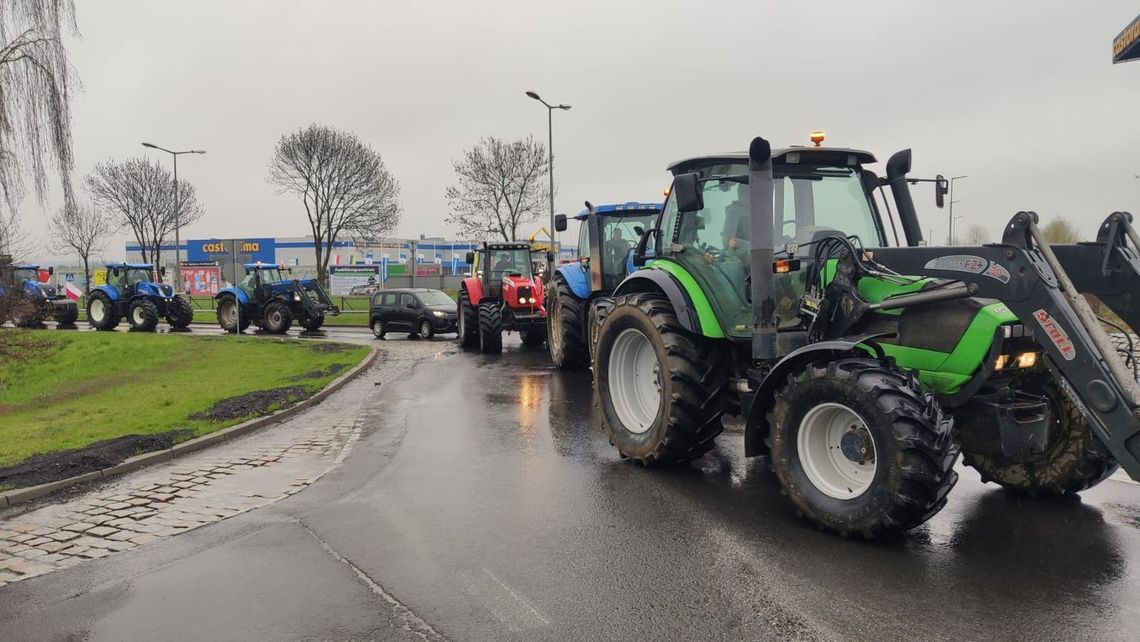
(21, 495)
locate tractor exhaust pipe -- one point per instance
(898, 166)
(763, 222)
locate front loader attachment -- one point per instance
(1108, 268)
(1025, 274)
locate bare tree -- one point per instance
(1060, 230)
(35, 96)
(501, 186)
(139, 194)
(12, 237)
(343, 184)
(977, 235)
(81, 230)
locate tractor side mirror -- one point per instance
(51, 270)
(687, 191)
(560, 223)
(162, 271)
(941, 189)
(470, 258)
(639, 231)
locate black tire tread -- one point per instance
(111, 319)
(469, 338)
(150, 315)
(181, 313)
(490, 327)
(575, 347)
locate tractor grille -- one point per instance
(524, 292)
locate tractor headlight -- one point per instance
(296, 296)
(437, 313)
(1021, 361)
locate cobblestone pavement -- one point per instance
(164, 500)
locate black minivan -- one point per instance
(417, 311)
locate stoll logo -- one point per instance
(1057, 334)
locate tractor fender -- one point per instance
(474, 288)
(756, 428)
(577, 278)
(111, 292)
(242, 297)
(648, 280)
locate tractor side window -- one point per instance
(584, 240)
(621, 236)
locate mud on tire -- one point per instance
(277, 318)
(229, 314)
(1076, 460)
(912, 447)
(688, 373)
(490, 327)
(567, 338)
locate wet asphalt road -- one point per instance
(484, 503)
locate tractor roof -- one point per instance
(133, 266)
(631, 208)
(500, 245)
(25, 266)
(842, 156)
(261, 266)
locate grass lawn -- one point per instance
(89, 386)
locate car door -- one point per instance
(388, 309)
(407, 310)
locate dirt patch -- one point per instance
(319, 373)
(253, 404)
(42, 469)
(327, 347)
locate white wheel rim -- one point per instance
(832, 466)
(138, 315)
(97, 311)
(635, 381)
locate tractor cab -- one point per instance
(497, 264)
(259, 275)
(818, 192)
(607, 237)
(126, 278)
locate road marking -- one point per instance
(413, 623)
(534, 617)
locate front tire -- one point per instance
(230, 314)
(566, 339)
(312, 324)
(277, 319)
(1076, 461)
(860, 449)
(378, 328)
(101, 313)
(661, 389)
(426, 331)
(143, 316)
(67, 316)
(490, 327)
(468, 322)
(181, 313)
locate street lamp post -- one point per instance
(950, 233)
(550, 169)
(177, 215)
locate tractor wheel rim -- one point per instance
(837, 451)
(97, 311)
(635, 381)
(137, 317)
(555, 338)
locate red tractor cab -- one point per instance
(502, 293)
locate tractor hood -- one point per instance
(154, 289)
(37, 290)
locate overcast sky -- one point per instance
(1021, 97)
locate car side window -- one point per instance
(389, 300)
(406, 300)
(376, 299)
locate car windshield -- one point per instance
(435, 297)
(505, 262)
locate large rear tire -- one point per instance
(490, 327)
(565, 335)
(143, 316)
(860, 449)
(1075, 461)
(277, 318)
(661, 389)
(180, 313)
(468, 322)
(101, 312)
(66, 315)
(229, 314)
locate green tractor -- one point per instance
(860, 370)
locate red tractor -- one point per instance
(501, 294)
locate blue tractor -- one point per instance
(579, 293)
(133, 292)
(28, 303)
(267, 298)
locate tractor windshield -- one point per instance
(620, 235)
(139, 275)
(713, 244)
(19, 275)
(506, 262)
(270, 275)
